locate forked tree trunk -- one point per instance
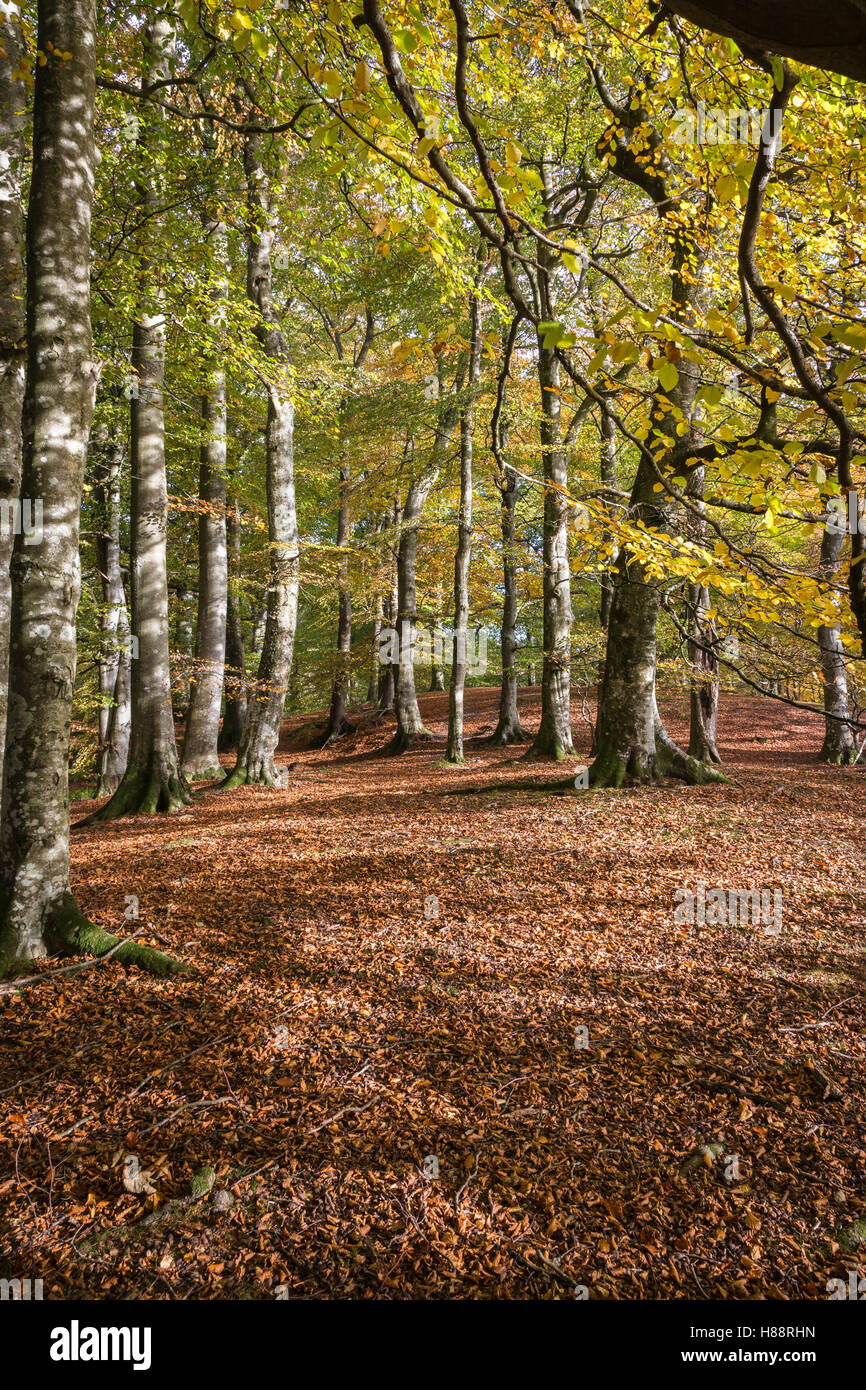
(463, 556)
(200, 757)
(839, 743)
(235, 669)
(258, 745)
(632, 743)
(13, 153)
(37, 911)
(153, 780)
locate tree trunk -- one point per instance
(255, 763)
(115, 751)
(373, 683)
(114, 622)
(235, 671)
(37, 912)
(13, 153)
(388, 673)
(553, 738)
(184, 629)
(632, 743)
(200, 745)
(153, 780)
(839, 743)
(463, 556)
(704, 688)
(410, 725)
(338, 725)
(554, 733)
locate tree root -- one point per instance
(263, 772)
(403, 740)
(547, 748)
(636, 766)
(501, 738)
(69, 932)
(143, 792)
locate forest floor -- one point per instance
(333, 1041)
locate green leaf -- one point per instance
(405, 40)
(668, 375)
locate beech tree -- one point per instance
(37, 911)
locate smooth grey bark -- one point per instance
(37, 912)
(114, 659)
(200, 757)
(235, 668)
(13, 153)
(108, 462)
(114, 754)
(255, 762)
(184, 631)
(463, 555)
(153, 780)
(839, 743)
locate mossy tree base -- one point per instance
(837, 752)
(404, 739)
(639, 766)
(504, 735)
(551, 746)
(145, 791)
(332, 735)
(68, 932)
(260, 772)
(202, 772)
